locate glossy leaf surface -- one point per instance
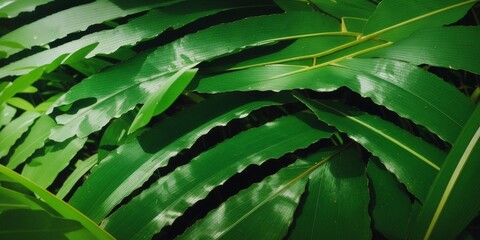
(191, 183)
(328, 211)
(454, 199)
(14, 130)
(129, 166)
(414, 162)
(10, 9)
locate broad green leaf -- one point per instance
(6, 114)
(44, 169)
(35, 139)
(132, 164)
(142, 28)
(353, 24)
(336, 204)
(11, 8)
(57, 204)
(60, 24)
(90, 66)
(414, 162)
(21, 104)
(34, 224)
(161, 98)
(244, 215)
(171, 195)
(394, 20)
(14, 130)
(404, 88)
(346, 8)
(438, 47)
(81, 168)
(390, 201)
(454, 198)
(20, 84)
(135, 77)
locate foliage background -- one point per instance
(239, 119)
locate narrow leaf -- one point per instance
(14, 130)
(35, 139)
(60, 24)
(172, 194)
(81, 168)
(454, 198)
(57, 204)
(243, 215)
(143, 72)
(438, 47)
(6, 114)
(414, 162)
(130, 165)
(11, 9)
(44, 169)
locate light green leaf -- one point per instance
(14, 130)
(60, 24)
(329, 210)
(20, 84)
(135, 77)
(35, 139)
(6, 114)
(454, 198)
(21, 104)
(129, 166)
(57, 204)
(171, 195)
(414, 162)
(161, 98)
(81, 168)
(438, 47)
(11, 9)
(44, 169)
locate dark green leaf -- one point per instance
(454, 198)
(414, 162)
(346, 8)
(329, 212)
(171, 195)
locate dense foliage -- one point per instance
(199, 119)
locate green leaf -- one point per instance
(329, 210)
(10, 9)
(161, 98)
(6, 114)
(35, 139)
(34, 224)
(346, 8)
(60, 24)
(391, 201)
(81, 168)
(116, 134)
(438, 47)
(243, 215)
(57, 204)
(404, 88)
(454, 198)
(14, 130)
(44, 169)
(132, 164)
(414, 162)
(394, 20)
(135, 77)
(10, 199)
(20, 84)
(171, 195)
(21, 104)
(142, 28)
